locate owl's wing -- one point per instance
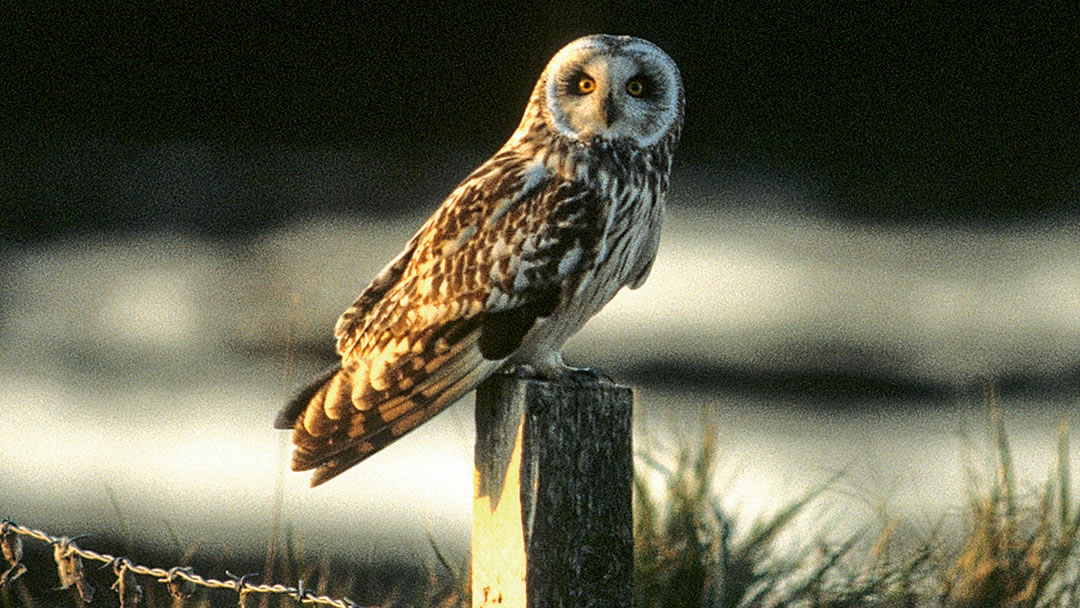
(501, 253)
(644, 263)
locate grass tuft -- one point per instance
(685, 554)
(1014, 551)
(1017, 553)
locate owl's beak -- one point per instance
(609, 109)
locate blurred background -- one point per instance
(873, 220)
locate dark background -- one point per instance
(883, 113)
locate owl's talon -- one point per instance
(584, 375)
(521, 371)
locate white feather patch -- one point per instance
(569, 261)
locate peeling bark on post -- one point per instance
(552, 516)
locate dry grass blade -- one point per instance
(1064, 478)
(1017, 556)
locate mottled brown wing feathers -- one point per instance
(347, 330)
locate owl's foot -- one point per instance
(522, 371)
(585, 375)
(562, 373)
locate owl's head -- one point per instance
(615, 88)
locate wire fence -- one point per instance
(181, 582)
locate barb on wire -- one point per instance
(126, 586)
(180, 581)
(241, 586)
(180, 587)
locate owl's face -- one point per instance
(612, 88)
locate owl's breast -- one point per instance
(629, 230)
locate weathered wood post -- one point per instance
(552, 490)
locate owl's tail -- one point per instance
(332, 432)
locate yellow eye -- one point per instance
(586, 85)
(635, 87)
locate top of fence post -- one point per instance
(552, 513)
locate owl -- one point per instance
(529, 246)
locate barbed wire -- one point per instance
(181, 582)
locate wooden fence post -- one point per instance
(552, 490)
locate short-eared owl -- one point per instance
(527, 248)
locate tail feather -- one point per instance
(286, 417)
(408, 416)
(331, 445)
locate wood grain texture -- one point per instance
(552, 513)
